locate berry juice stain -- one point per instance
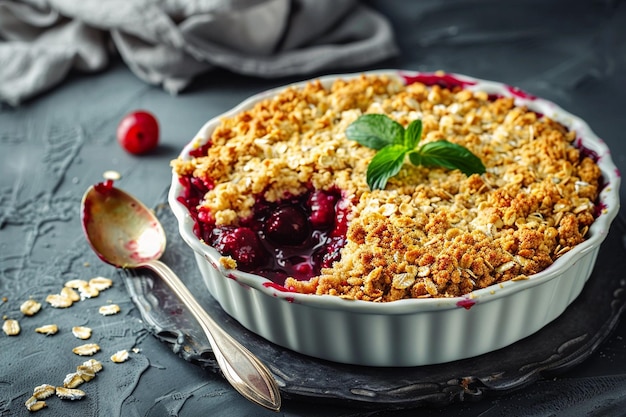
(104, 187)
(442, 80)
(466, 303)
(520, 93)
(176, 311)
(586, 152)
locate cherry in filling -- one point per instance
(294, 237)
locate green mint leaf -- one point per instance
(413, 134)
(375, 131)
(393, 142)
(384, 165)
(448, 155)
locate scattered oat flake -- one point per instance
(86, 349)
(30, 307)
(228, 262)
(41, 392)
(48, 329)
(70, 293)
(100, 283)
(85, 373)
(69, 393)
(81, 332)
(76, 283)
(520, 278)
(59, 301)
(73, 380)
(11, 327)
(111, 175)
(89, 369)
(93, 364)
(109, 309)
(33, 404)
(120, 356)
(88, 291)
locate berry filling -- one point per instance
(295, 237)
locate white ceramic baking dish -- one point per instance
(408, 332)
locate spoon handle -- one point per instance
(245, 372)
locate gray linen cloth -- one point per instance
(170, 42)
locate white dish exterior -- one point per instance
(409, 332)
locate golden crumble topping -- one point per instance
(431, 232)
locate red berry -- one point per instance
(322, 206)
(242, 244)
(138, 132)
(287, 226)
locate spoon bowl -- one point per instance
(121, 230)
(126, 234)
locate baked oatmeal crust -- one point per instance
(431, 232)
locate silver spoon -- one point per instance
(126, 234)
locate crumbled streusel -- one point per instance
(432, 232)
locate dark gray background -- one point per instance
(54, 146)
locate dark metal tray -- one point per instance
(562, 344)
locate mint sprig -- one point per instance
(393, 143)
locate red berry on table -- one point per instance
(138, 132)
